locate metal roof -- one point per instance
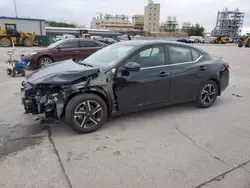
(18, 18)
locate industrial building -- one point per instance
(170, 25)
(152, 17)
(229, 23)
(102, 21)
(28, 25)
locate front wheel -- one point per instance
(44, 61)
(86, 113)
(207, 94)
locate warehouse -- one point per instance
(23, 24)
(28, 25)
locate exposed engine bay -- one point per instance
(45, 96)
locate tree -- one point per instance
(196, 30)
(61, 24)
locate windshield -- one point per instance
(55, 44)
(108, 56)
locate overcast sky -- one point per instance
(81, 11)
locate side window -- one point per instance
(88, 44)
(179, 54)
(10, 27)
(150, 57)
(195, 54)
(72, 44)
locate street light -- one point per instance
(15, 8)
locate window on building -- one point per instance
(10, 27)
(154, 14)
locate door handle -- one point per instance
(202, 68)
(164, 74)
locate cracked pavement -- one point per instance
(178, 146)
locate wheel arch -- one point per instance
(94, 90)
(44, 55)
(218, 84)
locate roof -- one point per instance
(18, 18)
(140, 43)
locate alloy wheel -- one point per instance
(45, 61)
(88, 114)
(208, 94)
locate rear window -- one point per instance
(196, 54)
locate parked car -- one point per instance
(108, 40)
(183, 40)
(62, 50)
(196, 39)
(124, 77)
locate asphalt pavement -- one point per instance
(179, 146)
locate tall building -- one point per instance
(138, 21)
(152, 17)
(229, 23)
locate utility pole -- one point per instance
(15, 8)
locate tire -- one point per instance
(240, 44)
(44, 61)
(28, 42)
(82, 101)
(23, 73)
(13, 73)
(202, 100)
(9, 71)
(5, 42)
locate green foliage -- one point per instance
(196, 30)
(61, 24)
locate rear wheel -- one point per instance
(9, 71)
(5, 42)
(23, 72)
(44, 61)
(28, 42)
(207, 94)
(86, 113)
(240, 44)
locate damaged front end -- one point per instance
(46, 91)
(44, 101)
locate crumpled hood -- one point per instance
(61, 73)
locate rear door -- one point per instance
(186, 73)
(88, 47)
(68, 50)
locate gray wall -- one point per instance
(26, 25)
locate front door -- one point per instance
(149, 85)
(68, 50)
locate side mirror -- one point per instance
(59, 48)
(132, 66)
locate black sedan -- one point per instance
(124, 77)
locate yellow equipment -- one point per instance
(84, 34)
(244, 41)
(7, 37)
(221, 40)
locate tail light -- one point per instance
(227, 65)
